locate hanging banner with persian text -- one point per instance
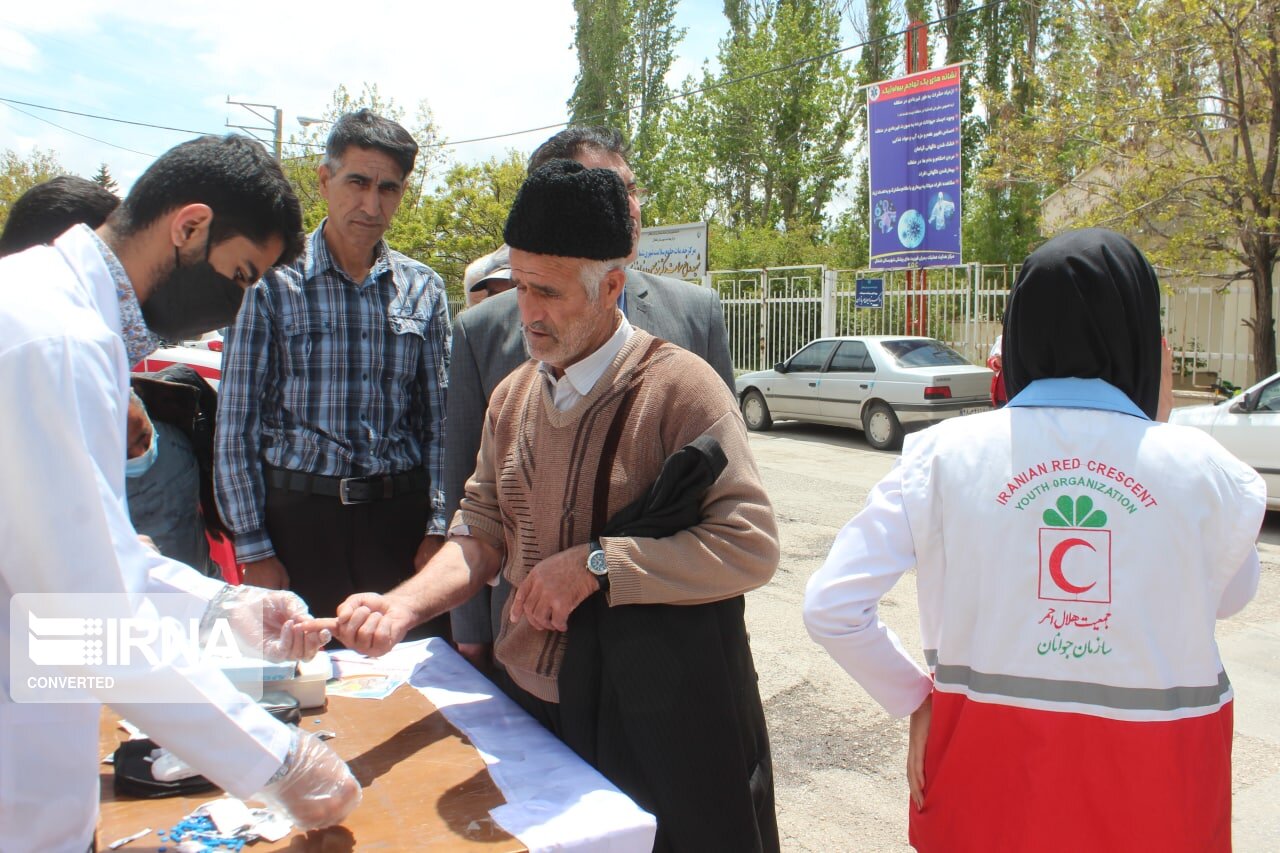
(913, 123)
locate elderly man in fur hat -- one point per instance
(616, 491)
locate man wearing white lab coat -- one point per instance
(73, 317)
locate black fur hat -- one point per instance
(568, 210)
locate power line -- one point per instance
(122, 120)
(105, 118)
(10, 105)
(675, 96)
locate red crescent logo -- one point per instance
(1055, 566)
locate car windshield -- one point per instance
(922, 353)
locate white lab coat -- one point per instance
(64, 527)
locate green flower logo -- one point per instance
(1079, 514)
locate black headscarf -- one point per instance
(1086, 304)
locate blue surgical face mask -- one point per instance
(139, 465)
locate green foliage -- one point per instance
(1160, 118)
(625, 49)
(104, 179)
(676, 172)
(777, 139)
(19, 174)
(468, 215)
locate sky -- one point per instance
(485, 67)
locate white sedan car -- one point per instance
(1249, 426)
(875, 383)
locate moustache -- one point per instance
(539, 327)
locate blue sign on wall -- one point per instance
(869, 293)
(914, 127)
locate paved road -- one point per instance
(839, 758)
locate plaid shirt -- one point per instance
(326, 376)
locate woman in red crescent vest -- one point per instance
(1072, 554)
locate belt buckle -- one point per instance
(344, 491)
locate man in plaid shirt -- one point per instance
(330, 439)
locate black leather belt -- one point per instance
(349, 490)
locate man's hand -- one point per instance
(268, 573)
(427, 549)
(553, 589)
(371, 624)
(916, 739)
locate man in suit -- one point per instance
(488, 345)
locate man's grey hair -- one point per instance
(593, 272)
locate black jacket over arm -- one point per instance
(663, 699)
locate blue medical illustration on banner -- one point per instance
(914, 126)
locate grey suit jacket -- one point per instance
(488, 345)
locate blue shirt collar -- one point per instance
(139, 341)
(320, 259)
(1074, 393)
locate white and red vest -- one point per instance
(1072, 564)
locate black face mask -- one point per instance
(192, 300)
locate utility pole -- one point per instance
(276, 120)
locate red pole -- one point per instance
(917, 48)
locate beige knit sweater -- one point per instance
(531, 494)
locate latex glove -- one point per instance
(316, 789)
(265, 622)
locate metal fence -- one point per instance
(1205, 327)
(771, 313)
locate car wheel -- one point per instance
(755, 411)
(881, 427)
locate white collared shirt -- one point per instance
(581, 376)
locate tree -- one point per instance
(19, 174)
(1162, 119)
(1004, 44)
(875, 63)
(625, 49)
(779, 138)
(104, 179)
(468, 215)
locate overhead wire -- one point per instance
(75, 132)
(675, 96)
(12, 101)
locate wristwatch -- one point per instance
(596, 563)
